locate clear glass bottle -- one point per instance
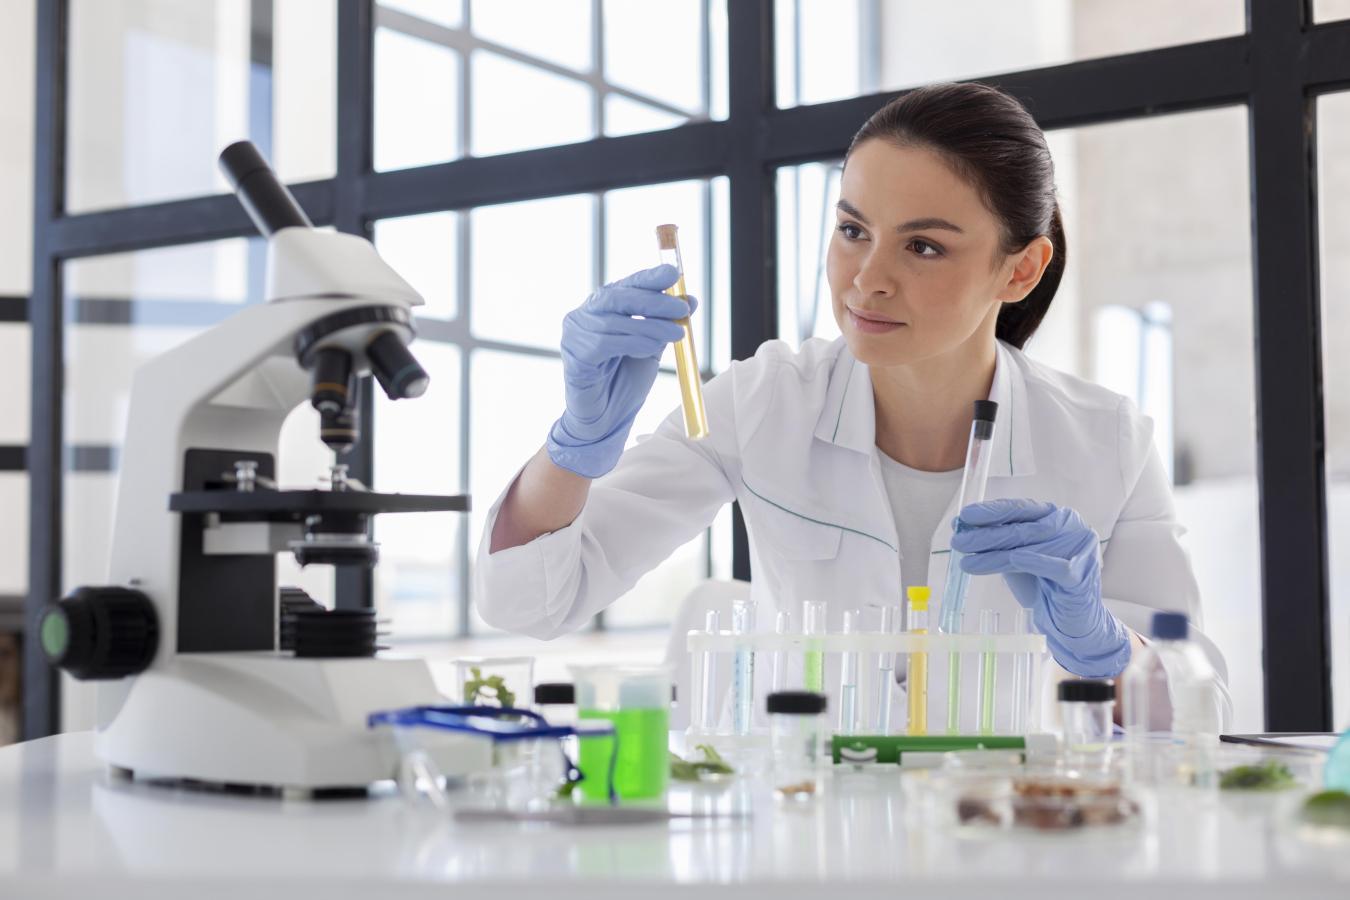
(1171, 706)
(796, 730)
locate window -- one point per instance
(829, 50)
(1333, 179)
(525, 74)
(159, 88)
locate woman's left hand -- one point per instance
(1051, 561)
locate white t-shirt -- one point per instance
(918, 500)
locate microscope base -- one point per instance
(267, 721)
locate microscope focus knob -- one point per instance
(101, 632)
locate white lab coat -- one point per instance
(793, 439)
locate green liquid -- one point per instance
(954, 694)
(643, 764)
(814, 671)
(988, 668)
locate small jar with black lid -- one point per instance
(796, 729)
(1086, 713)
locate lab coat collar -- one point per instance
(848, 417)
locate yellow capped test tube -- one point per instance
(918, 662)
(686, 361)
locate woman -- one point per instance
(845, 456)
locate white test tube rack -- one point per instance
(1018, 707)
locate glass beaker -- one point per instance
(636, 700)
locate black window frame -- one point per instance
(1276, 69)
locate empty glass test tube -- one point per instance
(782, 624)
(686, 360)
(743, 675)
(708, 709)
(813, 661)
(988, 670)
(974, 480)
(848, 678)
(890, 624)
(1021, 676)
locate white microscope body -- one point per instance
(220, 701)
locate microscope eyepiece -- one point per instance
(269, 204)
(398, 372)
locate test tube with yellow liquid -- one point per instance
(686, 361)
(918, 662)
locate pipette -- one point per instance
(686, 361)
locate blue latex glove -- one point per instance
(1050, 559)
(609, 364)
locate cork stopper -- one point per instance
(666, 236)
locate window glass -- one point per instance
(445, 13)
(532, 262)
(417, 451)
(517, 106)
(16, 152)
(514, 400)
(655, 50)
(158, 88)
(557, 31)
(1327, 10)
(827, 50)
(417, 101)
(425, 251)
(15, 370)
(13, 533)
(1333, 182)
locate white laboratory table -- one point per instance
(68, 828)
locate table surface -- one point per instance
(68, 827)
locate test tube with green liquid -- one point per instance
(954, 679)
(988, 670)
(813, 662)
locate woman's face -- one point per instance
(915, 265)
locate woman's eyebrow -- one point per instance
(929, 224)
(924, 224)
(849, 209)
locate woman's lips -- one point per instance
(872, 326)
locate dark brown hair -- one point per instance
(990, 140)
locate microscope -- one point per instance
(207, 673)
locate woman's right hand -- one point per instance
(610, 360)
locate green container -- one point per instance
(636, 700)
(643, 767)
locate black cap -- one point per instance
(798, 703)
(1085, 691)
(1170, 626)
(985, 411)
(555, 693)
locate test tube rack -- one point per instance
(1019, 660)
